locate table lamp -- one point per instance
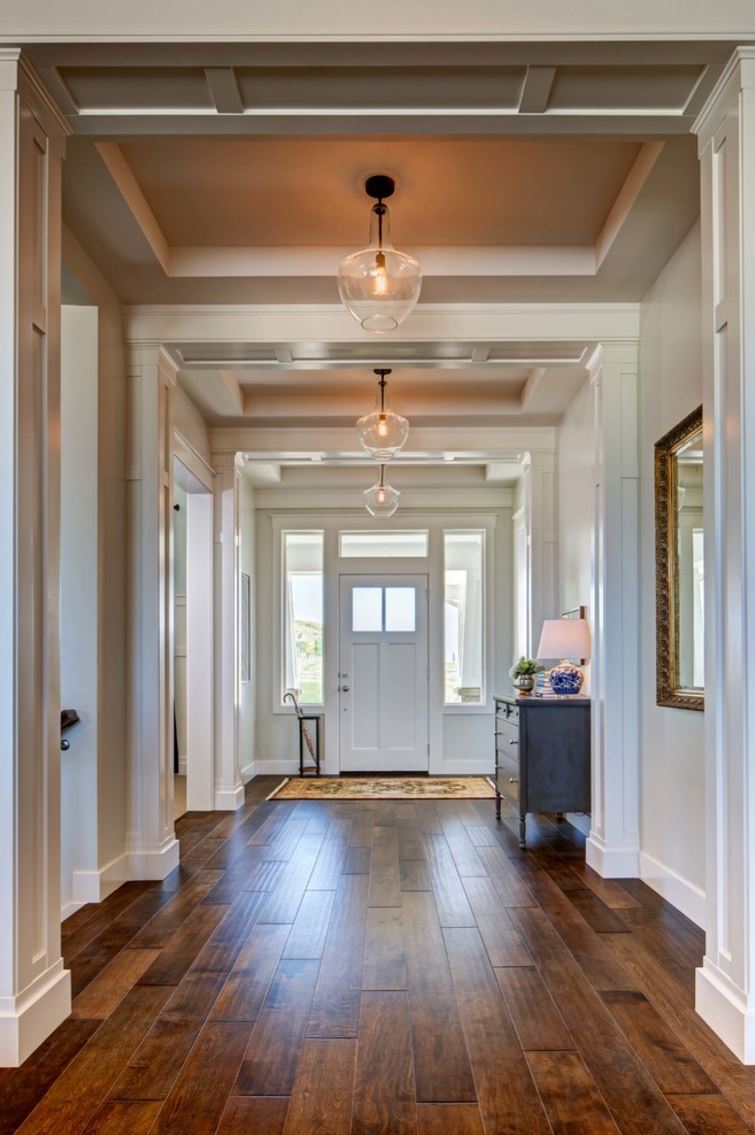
(565, 639)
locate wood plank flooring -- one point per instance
(379, 968)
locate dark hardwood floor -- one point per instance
(379, 968)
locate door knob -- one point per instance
(344, 689)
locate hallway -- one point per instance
(381, 968)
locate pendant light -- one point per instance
(381, 500)
(379, 286)
(382, 432)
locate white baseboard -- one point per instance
(153, 863)
(94, 886)
(29, 1018)
(682, 894)
(248, 772)
(612, 862)
(229, 799)
(69, 909)
(277, 768)
(580, 820)
(448, 768)
(723, 1006)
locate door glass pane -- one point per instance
(463, 629)
(367, 609)
(303, 614)
(400, 608)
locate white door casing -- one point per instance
(383, 673)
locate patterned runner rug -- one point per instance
(384, 788)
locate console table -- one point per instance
(542, 755)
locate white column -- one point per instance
(613, 844)
(538, 495)
(725, 994)
(150, 841)
(200, 691)
(229, 790)
(35, 993)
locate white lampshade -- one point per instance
(564, 638)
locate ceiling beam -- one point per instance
(224, 90)
(131, 192)
(536, 90)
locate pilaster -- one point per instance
(35, 994)
(150, 840)
(613, 845)
(725, 987)
(229, 789)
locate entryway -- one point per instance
(383, 673)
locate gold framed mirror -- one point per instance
(679, 569)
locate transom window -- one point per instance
(384, 545)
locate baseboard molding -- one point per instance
(248, 772)
(580, 820)
(69, 909)
(229, 799)
(94, 886)
(449, 768)
(29, 1018)
(612, 862)
(277, 768)
(723, 1007)
(152, 864)
(682, 894)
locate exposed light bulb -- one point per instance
(379, 277)
(381, 495)
(382, 427)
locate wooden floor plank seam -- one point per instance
(380, 968)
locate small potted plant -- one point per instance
(523, 672)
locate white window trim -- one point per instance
(485, 706)
(279, 637)
(333, 566)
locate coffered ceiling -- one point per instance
(232, 173)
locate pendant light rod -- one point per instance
(382, 384)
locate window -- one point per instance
(383, 545)
(303, 615)
(464, 554)
(378, 609)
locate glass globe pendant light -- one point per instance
(381, 500)
(379, 286)
(382, 432)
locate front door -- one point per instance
(383, 673)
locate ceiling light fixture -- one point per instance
(379, 286)
(383, 432)
(381, 500)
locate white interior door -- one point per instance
(383, 673)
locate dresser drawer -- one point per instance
(506, 712)
(507, 777)
(507, 739)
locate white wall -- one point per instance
(248, 690)
(78, 593)
(576, 506)
(672, 744)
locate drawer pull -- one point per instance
(513, 780)
(514, 742)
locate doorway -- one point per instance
(383, 682)
(192, 642)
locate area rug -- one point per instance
(384, 788)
